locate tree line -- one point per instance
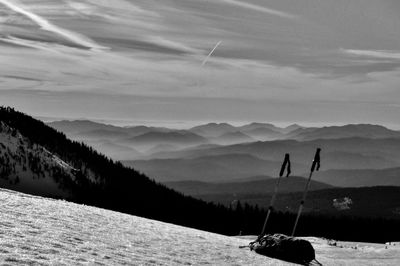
(124, 189)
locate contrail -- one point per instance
(46, 25)
(209, 55)
(260, 8)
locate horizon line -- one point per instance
(182, 124)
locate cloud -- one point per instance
(260, 8)
(374, 53)
(266, 67)
(163, 42)
(47, 25)
(47, 46)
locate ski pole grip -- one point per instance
(316, 161)
(286, 162)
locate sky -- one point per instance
(311, 62)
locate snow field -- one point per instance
(40, 231)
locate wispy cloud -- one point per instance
(271, 62)
(374, 53)
(259, 8)
(161, 41)
(47, 25)
(46, 46)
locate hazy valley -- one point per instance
(224, 163)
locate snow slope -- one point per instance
(35, 230)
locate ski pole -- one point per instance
(315, 166)
(285, 165)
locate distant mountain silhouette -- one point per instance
(213, 129)
(252, 185)
(169, 137)
(268, 150)
(202, 147)
(232, 138)
(140, 130)
(76, 126)
(94, 129)
(352, 160)
(115, 151)
(162, 147)
(142, 138)
(256, 125)
(238, 153)
(208, 168)
(298, 131)
(357, 150)
(347, 131)
(263, 134)
(98, 134)
(291, 128)
(147, 142)
(361, 177)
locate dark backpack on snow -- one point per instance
(285, 248)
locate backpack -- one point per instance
(283, 247)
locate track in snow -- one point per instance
(40, 231)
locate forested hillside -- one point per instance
(116, 187)
(94, 179)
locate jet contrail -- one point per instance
(209, 55)
(259, 8)
(46, 25)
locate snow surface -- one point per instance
(40, 231)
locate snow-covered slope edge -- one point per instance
(45, 231)
(28, 167)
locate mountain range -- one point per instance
(39, 160)
(214, 133)
(248, 186)
(381, 153)
(211, 168)
(360, 177)
(346, 131)
(216, 152)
